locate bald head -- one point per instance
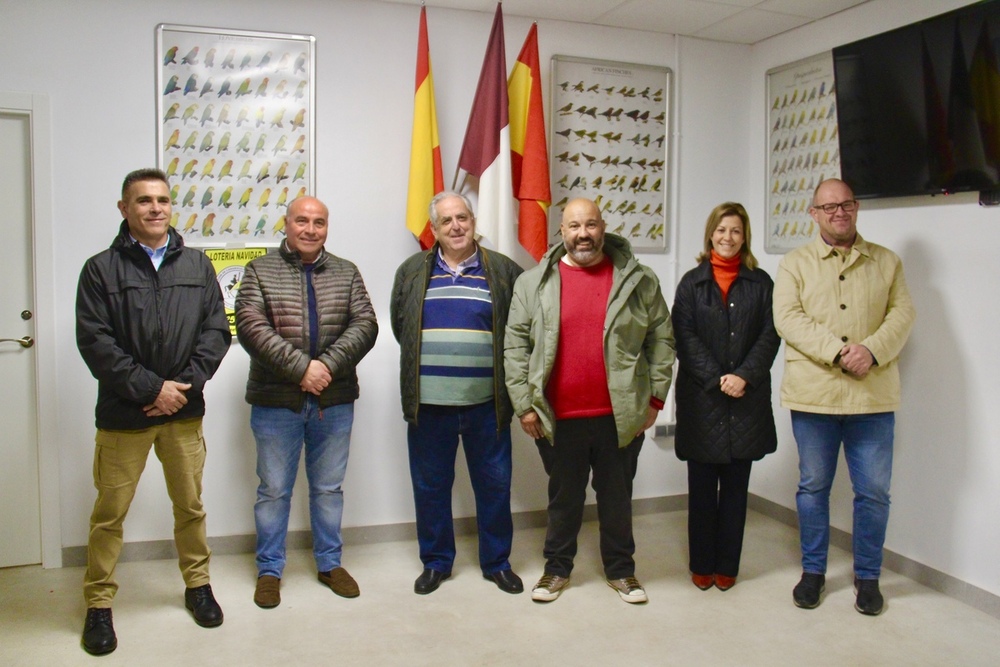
(306, 226)
(582, 230)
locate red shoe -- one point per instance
(702, 581)
(724, 583)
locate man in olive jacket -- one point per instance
(449, 309)
(589, 358)
(151, 327)
(304, 317)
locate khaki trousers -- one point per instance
(119, 460)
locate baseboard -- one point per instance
(301, 539)
(928, 576)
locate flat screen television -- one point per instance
(918, 107)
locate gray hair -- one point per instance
(432, 208)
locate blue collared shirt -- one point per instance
(155, 255)
(463, 266)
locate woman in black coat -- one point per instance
(726, 344)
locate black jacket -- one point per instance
(406, 310)
(136, 327)
(714, 339)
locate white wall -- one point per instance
(95, 60)
(947, 459)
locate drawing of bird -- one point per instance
(245, 198)
(174, 217)
(224, 115)
(224, 142)
(279, 227)
(301, 192)
(225, 197)
(190, 141)
(206, 171)
(589, 158)
(189, 113)
(561, 202)
(636, 229)
(171, 112)
(264, 172)
(619, 229)
(245, 225)
(565, 133)
(300, 143)
(191, 58)
(279, 90)
(283, 62)
(206, 142)
(281, 175)
(578, 87)
(227, 62)
(564, 111)
(278, 119)
(280, 144)
(244, 144)
(262, 88)
(259, 117)
(206, 115)
(595, 88)
(656, 185)
(245, 171)
(172, 167)
(207, 88)
(265, 196)
(300, 172)
(244, 88)
(264, 61)
(260, 225)
(226, 88)
(173, 195)
(300, 90)
(246, 60)
(596, 184)
(210, 58)
(283, 195)
(227, 225)
(191, 85)
(189, 196)
(206, 225)
(189, 225)
(189, 169)
(169, 58)
(242, 117)
(261, 140)
(300, 119)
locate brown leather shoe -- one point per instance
(724, 583)
(267, 595)
(340, 582)
(702, 581)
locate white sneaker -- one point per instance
(629, 589)
(549, 587)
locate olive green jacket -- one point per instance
(638, 339)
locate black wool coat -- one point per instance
(716, 338)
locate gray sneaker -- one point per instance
(629, 589)
(549, 587)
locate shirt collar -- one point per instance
(470, 262)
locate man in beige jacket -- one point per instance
(842, 306)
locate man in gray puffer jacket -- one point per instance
(305, 319)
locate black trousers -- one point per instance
(717, 514)
(582, 445)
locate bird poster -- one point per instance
(803, 147)
(235, 130)
(609, 142)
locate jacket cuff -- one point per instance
(656, 403)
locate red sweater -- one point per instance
(725, 272)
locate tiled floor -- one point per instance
(468, 621)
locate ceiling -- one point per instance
(738, 21)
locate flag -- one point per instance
(528, 157)
(426, 175)
(485, 156)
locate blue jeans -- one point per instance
(433, 444)
(868, 450)
(280, 434)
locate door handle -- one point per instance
(25, 341)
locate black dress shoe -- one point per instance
(506, 581)
(99, 632)
(202, 605)
(428, 581)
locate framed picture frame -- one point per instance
(609, 141)
(235, 130)
(803, 147)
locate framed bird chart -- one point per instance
(235, 130)
(609, 142)
(803, 147)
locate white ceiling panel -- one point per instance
(751, 26)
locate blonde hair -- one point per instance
(725, 210)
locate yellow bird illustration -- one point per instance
(265, 196)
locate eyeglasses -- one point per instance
(849, 206)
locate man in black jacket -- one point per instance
(151, 327)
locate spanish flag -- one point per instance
(529, 158)
(426, 175)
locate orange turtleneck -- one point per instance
(725, 271)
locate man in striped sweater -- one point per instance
(448, 311)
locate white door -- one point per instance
(20, 518)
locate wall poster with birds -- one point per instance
(235, 130)
(803, 147)
(610, 141)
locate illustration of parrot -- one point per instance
(300, 64)
(191, 85)
(245, 171)
(173, 197)
(244, 88)
(206, 142)
(172, 167)
(300, 90)
(264, 172)
(242, 118)
(207, 88)
(279, 118)
(245, 198)
(189, 113)
(262, 88)
(300, 143)
(244, 144)
(281, 175)
(206, 115)
(246, 61)
(206, 171)
(227, 225)
(260, 225)
(189, 225)
(260, 144)
(225, 88)
(191, 58)
(265, 196)
(245, 225)
(280, 144)
(171, 112)
(225, 196)
(283, 195)
(283, 62)
(279, 227)
(224, 115)
(301, 193)
(300, 172)
(174, 217)
(171, 85)
(210, 58)
(191, 140)
(224, 142)
(227, 62)
(259, 117)
(189, 196)
(279, 90)
(188, 169)
(169, 58)
(206, 225)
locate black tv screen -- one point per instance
(918, 108)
